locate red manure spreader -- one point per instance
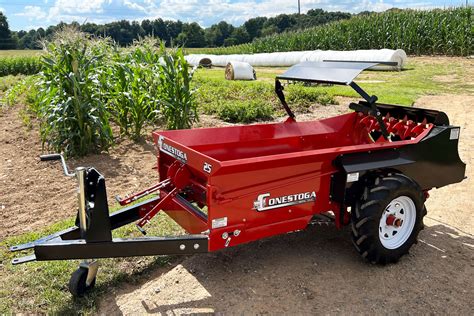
(371, 168)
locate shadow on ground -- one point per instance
(312, 271)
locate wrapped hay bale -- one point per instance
(205, 62)
(390, 59)
(236, 70)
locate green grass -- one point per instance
(422, 76)
(16, 89)
(20, 53)
(42, 286)
(7, 82)
(250, 101)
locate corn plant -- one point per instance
(134, 97)
(70, 105)
(18, 87)
(177, 98)
(133, 88)
(446, 32)
(418, 32)
(25, 65)
(224, 50)
(86, 83)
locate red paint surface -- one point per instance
(280, 159)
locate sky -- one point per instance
(28, 14)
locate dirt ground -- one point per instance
(314, 271)
(35, 194)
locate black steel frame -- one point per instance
(97, 241)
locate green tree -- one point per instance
(30, 40)
(254, 27)
(6, 41)
(160, 30)
(212, 35)
(218, 33)
(176, 32)
(174, 29)
(240, 36)
(192, 35)
(147, 27)
(269, 30)
(282, 22)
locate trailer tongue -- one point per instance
(371, 168)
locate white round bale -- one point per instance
(236, 70)
(287, 59)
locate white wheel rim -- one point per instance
(397, 222)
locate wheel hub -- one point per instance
(394, 221)
(397, 222)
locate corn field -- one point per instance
(25, 65)
(87, 85)
(236, 49)
(428, 32)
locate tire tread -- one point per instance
(365, 218)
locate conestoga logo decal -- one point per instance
(264, 202)
(172, 151)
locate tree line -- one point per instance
(124, 32)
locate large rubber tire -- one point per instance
(367, 218)
(77, 282)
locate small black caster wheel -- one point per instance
(78, 284)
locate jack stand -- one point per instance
(92, 267)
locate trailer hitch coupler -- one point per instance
(81, 197)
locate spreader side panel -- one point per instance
(269, 201)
